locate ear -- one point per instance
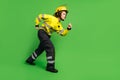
(57, 14)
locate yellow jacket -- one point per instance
(50, 24)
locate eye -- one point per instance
(64, 13)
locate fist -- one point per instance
(37, 28)
(69, 26)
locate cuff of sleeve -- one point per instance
(68, 28)
(36, 25)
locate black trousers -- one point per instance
(45, 44)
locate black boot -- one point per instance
(30, 61)
(51, 68)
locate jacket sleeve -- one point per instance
(41, 17)
(60, 30)
(63, 32)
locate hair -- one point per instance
(58, 14)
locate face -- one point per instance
(63, 15)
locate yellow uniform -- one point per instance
(50, 24)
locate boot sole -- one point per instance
(52, 71)
(30, 63)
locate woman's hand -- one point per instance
(37, 28)
(69, 26)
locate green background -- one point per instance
(91, 50)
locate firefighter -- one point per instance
(51, 23)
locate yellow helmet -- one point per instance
(61, 8)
